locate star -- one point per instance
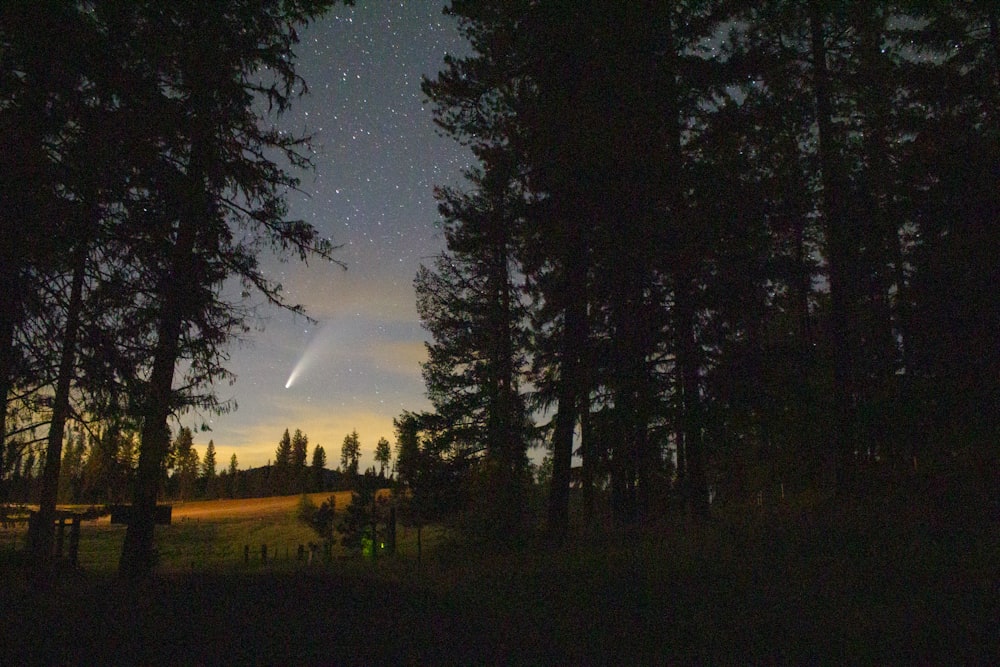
(377, 157)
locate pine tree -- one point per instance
(65, 167)
(591, 100)
(350, 452)
(71, 470)
(470, 304)
(216, 149)
(382, 455)
(208, 472)
(234, 470)
(952, 166)
(752, 230)
(208, 464)
(317, 472)
(429, 472)
(187, 467)
(297, 463)
(281, 472)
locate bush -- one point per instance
(320, 519)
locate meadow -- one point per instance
(210, 535)
(806, 581)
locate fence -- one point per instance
(62, 545)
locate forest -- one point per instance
(717, 252)
(710, 254)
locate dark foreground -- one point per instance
(889, 581)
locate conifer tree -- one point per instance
(297, 462)
(382, 455)
(281, 472)
(208, 471)
(317, 470)
(350, 453)
(218, 148)
(233, 470)
(470, 302)
(187, 467)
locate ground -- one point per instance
(249, 507)
(902, 578)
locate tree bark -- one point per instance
(993, 18)
(505, 446)
(588, 462)
(8, 309)
(42, 536)
(574, 341)
(838, 255)
(688, 360)
(138, 554)
(891, 338)
(177, 283)
(633, 462)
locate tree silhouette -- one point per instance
(299, 453)
(738, 225)
(382, 455)
(317, 472)
(233, 472)
(281, 472)
(192, 71)
(350, 453)
(208, 471)
(470, 304)
(187, 467)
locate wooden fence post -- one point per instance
(60, 536)
(74, 542)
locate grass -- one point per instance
(195, 543)
(905, 578)
(211, 536)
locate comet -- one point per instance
(317, 348)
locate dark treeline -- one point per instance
(100, 470)
(141, 178)
(715, 248)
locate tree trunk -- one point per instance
(838, 255)
(688, 360)
(680, 450)
(889, 311)
(993, 18)
(574, 341)
(43, 529)
(177, 285)
(634, 463)
(8, 309)
(505, 446)
(23, 175)
(588, 456)
(138, 554)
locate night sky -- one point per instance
(378, 156)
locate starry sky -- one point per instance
(377, 157)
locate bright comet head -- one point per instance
(295, 373)
(315, 350)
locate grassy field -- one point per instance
(808, 582)
(210, 535)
